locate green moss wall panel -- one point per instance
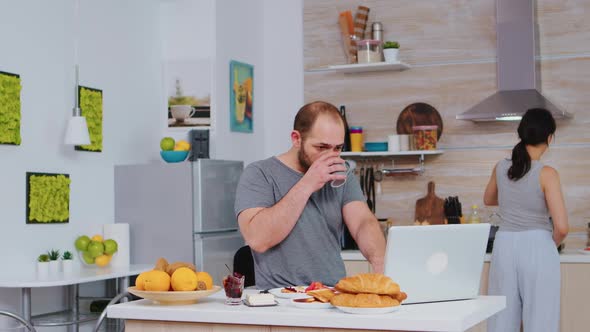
(10, 108)
(91, 109)
(48, 198)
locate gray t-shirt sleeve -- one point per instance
(254, 190)
(352, 190)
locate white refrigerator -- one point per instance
(182, 212)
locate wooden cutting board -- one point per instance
(430, 207)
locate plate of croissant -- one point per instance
(368, 293)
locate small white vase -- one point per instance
(391, 54)
(42, 270)
(67, 266)
(54, 267)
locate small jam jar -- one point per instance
(425, 137)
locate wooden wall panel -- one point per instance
(451, 47)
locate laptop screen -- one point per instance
(438, 262)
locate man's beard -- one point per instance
(303, 158)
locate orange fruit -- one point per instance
(97, 238)
(204, 280)
(140, 280)
(156, 281)
(184, 279)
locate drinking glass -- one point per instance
(233, 286)
(339, 183)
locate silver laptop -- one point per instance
(438, 262)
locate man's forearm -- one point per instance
(371, 242)
(272, 225)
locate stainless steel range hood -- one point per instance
(516, 68)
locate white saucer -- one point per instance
(369, 311)
(585, 252)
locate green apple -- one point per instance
(82, 243)
(167, 144)
(88, 259)
(95, 249)
(110, 246)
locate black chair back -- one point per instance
(244, 264)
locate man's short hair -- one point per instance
(309, 113)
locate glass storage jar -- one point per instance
(368, 51)
(425, 137)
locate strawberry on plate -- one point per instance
(315, 285)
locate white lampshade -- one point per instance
(77, 131)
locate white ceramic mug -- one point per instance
(393, 144)
(181, 112)
(404, 142)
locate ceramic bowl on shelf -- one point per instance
(375, 146)
(173, 156)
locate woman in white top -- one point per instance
(525, 263)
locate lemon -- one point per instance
(182, 146)
(102, 260)
(156, 280)
(97, 238)
(184, 279)
(204, 281)
(139, 281)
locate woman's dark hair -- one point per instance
(536, 126)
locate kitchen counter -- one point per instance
(566, 256)
(145, 316)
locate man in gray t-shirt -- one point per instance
(290, 215)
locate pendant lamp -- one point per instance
(77, 130)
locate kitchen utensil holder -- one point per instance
(411, 170)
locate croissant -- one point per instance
(323, 295)
(373, 283)
(401, 296)
(362, 300)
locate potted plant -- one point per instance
(67, 260)
(53, 261)
(390, 51)
(43, 266)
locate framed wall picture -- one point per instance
(10, 108)
(48, 198)
(241, 96)
(91, 108)
(188, 91)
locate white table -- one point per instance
(146, 316)
(25, 277)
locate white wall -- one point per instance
(239, 36)
(283, 72)
(119, 53)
